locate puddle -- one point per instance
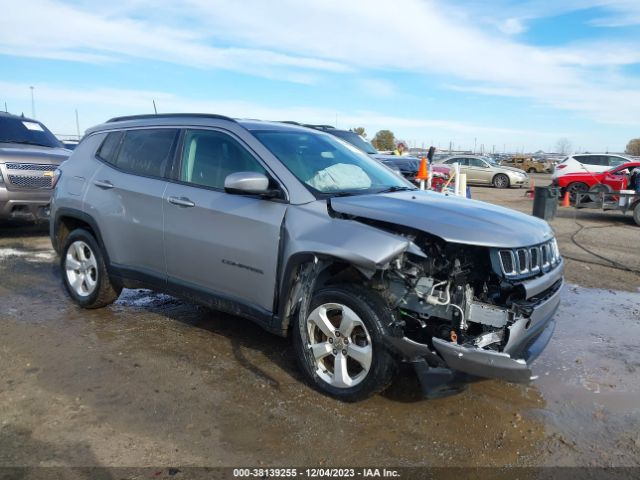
(30, 256)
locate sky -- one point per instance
(499, 75)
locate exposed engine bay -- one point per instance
(452, 292)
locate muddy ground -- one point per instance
(154, 381)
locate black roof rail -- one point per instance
(309, 125)
(169, 115)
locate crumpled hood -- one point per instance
(454, 219)
(32, 154)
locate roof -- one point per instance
(193, 118)
(20, 117)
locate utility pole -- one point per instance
(77, 124)
(450, 146)
(5, 107)
(33, 104)
(475, 143)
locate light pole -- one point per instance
(33, 104)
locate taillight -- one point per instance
(57, 173)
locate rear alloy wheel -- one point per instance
(339, 343)
(575, 188)
(596, 192)
(84, 272)
(501, 181)
(532, 170)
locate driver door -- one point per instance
(220, 243)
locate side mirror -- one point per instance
(248, 183)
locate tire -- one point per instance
(532, 170)
(576, 187)
(84, 273)
(340, 318)
(636, 214)
(596, 190)
(501, 181)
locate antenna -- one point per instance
(77, 124)
(154, 107)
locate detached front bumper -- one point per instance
(527, 338)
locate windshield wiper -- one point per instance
(397, 188)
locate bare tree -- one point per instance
(563, 146)
(633, 147)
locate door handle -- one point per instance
(106, 184)
(181, 202)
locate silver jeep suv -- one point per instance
(29, 156)
(306, 235)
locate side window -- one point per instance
(615, 161)
(476, 162)
(109, 147)
(209, 157)
(588, 159)
(147, 152)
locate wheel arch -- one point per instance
(66, 220)
(306, 272)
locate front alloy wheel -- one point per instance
(501, 181)
(340, 344)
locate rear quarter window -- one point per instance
(147, 152)
(109, 147)
(599, 160)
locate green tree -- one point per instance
(360, 131)
(633, 147)
(384, 140)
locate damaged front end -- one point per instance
(478, 311)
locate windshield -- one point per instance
(489, 160)
(329, 166)
(29, 132)
(356, 140)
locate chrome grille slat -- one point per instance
(27, 181)
(31, 166)
(529, 261)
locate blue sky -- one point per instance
(504, 74)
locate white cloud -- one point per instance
(51, 29)
(378, 88)
(309, 41)
(512, 26)
(99, 104)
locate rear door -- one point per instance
(215, 242)
(593, 163)
(126, 197)
(478, 171)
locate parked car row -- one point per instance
(615, 179)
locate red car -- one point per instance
(614, 179)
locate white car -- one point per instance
(588, 162)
